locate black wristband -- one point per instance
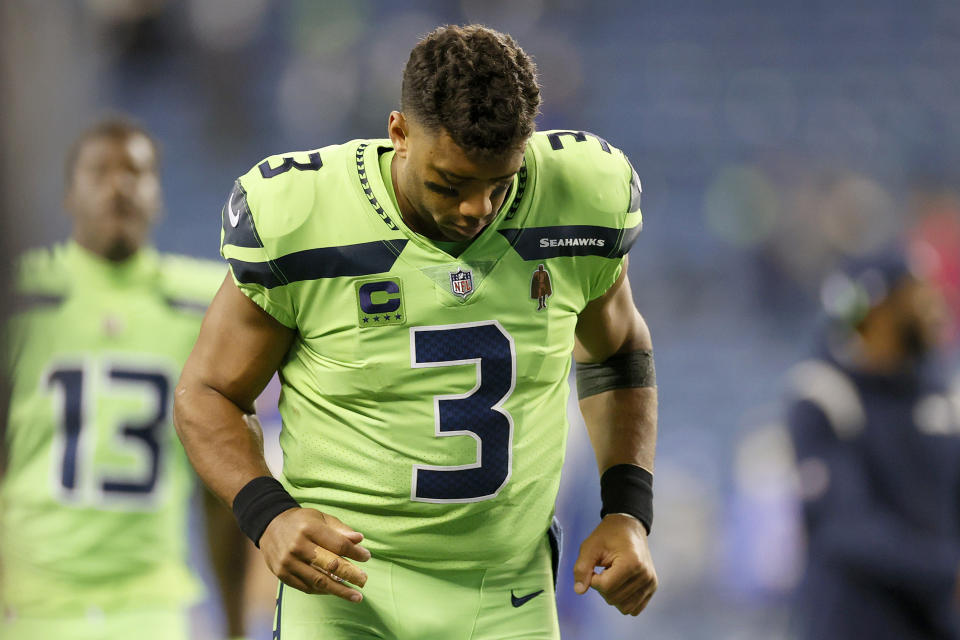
(627, 488)
(258, 503)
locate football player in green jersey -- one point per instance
(96, 491)
(424, 389)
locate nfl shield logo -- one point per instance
(461, 282)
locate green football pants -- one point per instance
(513, 600)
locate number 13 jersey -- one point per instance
(424, 397)
(96, 491)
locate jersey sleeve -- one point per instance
(189, 284)
(39, 285)
(39, 273)
(260, 220)
(586, 206)
(630, 223)
(607, 180)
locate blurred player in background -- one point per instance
(96, 491)
(424, 394)
(877, 438)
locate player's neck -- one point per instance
(115, 255)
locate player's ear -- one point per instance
(397, 130)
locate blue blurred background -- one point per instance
(772, 138)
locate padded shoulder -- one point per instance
(189, 282)
(586, 167)
(584, 188)
(42, 271)
(832, 391)
(273, 201)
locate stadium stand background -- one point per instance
(772, 138)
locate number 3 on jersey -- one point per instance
(477, 413)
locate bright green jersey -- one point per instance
(424, 397)
(95, 498)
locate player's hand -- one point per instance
(619, 545)
(308, 550)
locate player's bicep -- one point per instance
(239, 348)
(610, 324)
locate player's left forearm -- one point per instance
(616, 384)
(622, 424)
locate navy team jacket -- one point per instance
(878, 459)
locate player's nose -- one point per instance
(120, 182)
(477, 208)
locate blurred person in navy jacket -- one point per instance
(876, 433)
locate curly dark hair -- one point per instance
(474, 83)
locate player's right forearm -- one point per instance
(224, 444)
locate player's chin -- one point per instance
(455, 233)
(120, 247)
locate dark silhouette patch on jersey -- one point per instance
(541, 287)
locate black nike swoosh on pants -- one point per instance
(522, 600)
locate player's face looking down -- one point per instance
(443, 192)
(114, 194)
